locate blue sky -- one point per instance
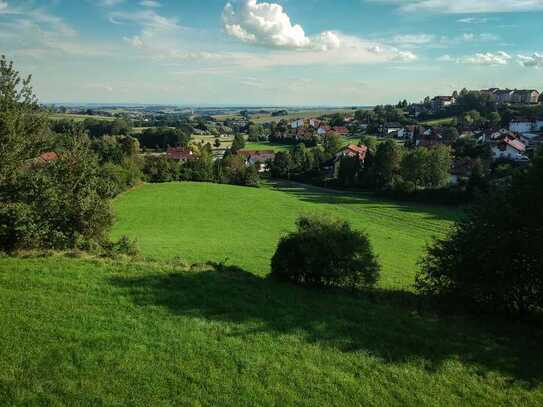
(281, 52)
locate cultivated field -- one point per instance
(302, 114)
(97, 332)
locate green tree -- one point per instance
(238, 143)
(492, 258)
(386, 164)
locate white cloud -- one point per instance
(473, 20)
(533, 61)
(488, 58)
(150, 3)
(264, 24)
(413, 39)
(3, 6)
(465, 6)
(147, 18)
(109, 3)
(483, 58)
(268, 25)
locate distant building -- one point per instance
(182, 154)
(439, 103)
(258, 157)
(513, 96)
(353, 151)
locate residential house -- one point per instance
(182, 154)
(342, 131)
(315, 123)
(323, 130)
(298, 123)
(391, 129)
(508, 148)
(407, 132)
(260, 158)
(429, 138)
(353, 151)
(439, 103)
(523, 126)
(516, 96)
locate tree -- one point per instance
(217, 143)
(492, 259)
(386, 164)
(282, 165)
(438, 167)
(450, 135)
(332, 144)
(24, 133)
(494, 120)
(326, 252)
(238, 143)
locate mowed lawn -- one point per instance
(208, 222)
(84, 332)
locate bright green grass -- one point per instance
(439, 122)
(78, 117)
(201, 222)
(263, 145)
(88, 333)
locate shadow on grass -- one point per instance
(319, 195)
(385, 324)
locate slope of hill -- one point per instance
(79, 331)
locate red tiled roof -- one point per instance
(341, 130)
(49, 156)
(180, 153)
(353, 150)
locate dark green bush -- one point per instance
(325, 252)
(493, 258)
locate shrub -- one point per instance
(325, 252)
(493, 257)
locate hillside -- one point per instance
(202, 222)
(171, 332)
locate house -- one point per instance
(342, 131)
(182, 154)
(353, 151)
(48, 157)
(522, 126)
(460, 169)
(315, 123)
(298, 123)
(407, 132)
(260, 158)
(508, 148)
(323, 130)
(429, 137)
(516, 96)
(389, 129)
(441, 102)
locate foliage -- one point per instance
(238, 143)
(164, 137)
(493, 257)
(326, 252)
(386, 164)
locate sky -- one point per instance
(275, 53)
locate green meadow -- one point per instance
(199, 322)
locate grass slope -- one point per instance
(86, 332)
(89, 333)
(202, 222)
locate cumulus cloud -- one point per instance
(465, 6)
(533, 61)
(483, 58)
(268, 25)
(150, 3)
(488, 58)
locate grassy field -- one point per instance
(303, 114)
(78, 117)
(94, 332)
(439, 122)
(201, 222)
(265, 145)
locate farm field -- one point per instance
(303, 114)
(78, 117)
(163, 332)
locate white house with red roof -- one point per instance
(353, 151)
(509, 148)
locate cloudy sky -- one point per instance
(282, 52)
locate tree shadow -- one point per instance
(385, 324)
(320, 195)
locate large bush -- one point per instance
(493, 258)
(325, 252)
